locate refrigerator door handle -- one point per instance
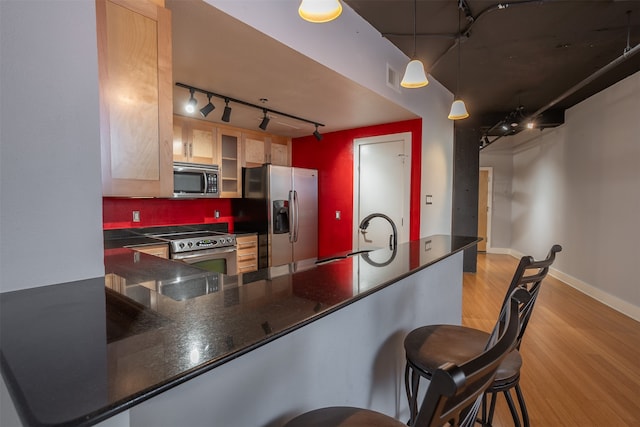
(296, 203)
(292, 216)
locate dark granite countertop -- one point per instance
(78, 353)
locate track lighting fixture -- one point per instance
(458, 109)
(317, 134)
(265, 120)
(226, 115)
(207, 108)
(319, 11)
(414, 75)
(191, 103)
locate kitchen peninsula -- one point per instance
(247, 350)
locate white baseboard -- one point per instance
(502, 251)
(599, 295)
(606, 298)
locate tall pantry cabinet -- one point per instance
(134, 65)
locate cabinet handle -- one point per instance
(190, 150)
(186, 148)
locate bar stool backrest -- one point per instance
(528, 275)
(455, 392)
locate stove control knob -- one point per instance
(181, 245)
(190, 244)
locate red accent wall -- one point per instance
(333, 157)
(118, 212)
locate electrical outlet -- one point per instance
(429, 199)
(136, 216)
(216, 213)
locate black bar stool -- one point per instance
(453, 395)
(429, 346)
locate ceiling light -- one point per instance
(414, 75)
(531, 125)
(317, 134)
(207, 108)
(191, 103)
(265, 121)
(504, 127)
(226, 115)
(319, 11)
(458, 109)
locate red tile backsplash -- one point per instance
(118, 212)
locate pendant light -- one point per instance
(319, 11)
(414, 75)
(458, 109)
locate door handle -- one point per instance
(297, 215)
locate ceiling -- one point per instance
(217, 53)
(517, 57)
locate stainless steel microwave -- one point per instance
(194, 180)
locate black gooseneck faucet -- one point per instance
(393, 240)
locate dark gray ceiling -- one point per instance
(517, 53)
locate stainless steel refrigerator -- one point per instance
(281, 204)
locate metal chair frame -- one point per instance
(528, 275)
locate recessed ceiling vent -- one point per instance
(393, 79)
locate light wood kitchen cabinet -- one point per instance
(134, 67)
(247, 253)
(231, 164)
(195, 141)
(254, 146)
(265, 148)
(280, 149)
(160, 250)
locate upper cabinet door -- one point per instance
(195, 141)
(134, 63)
(255, 153)
(280, 152)
(231, 167)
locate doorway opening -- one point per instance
(485, 196)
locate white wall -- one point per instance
(578, 185)
(50, 191)
(351, 47)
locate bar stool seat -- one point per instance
(343, 416)
(430, 346)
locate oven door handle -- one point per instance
(202, 254)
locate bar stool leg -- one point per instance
(411, 382)
(512, 408)
(523, 407)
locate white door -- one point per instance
(382, 180)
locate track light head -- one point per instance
(191, 103)
(207, 108)
(226, 115)
(265, 121)
(317, 134)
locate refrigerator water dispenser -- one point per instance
(280, 216)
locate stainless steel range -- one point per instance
(209, 250)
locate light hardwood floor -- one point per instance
(581, 358)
